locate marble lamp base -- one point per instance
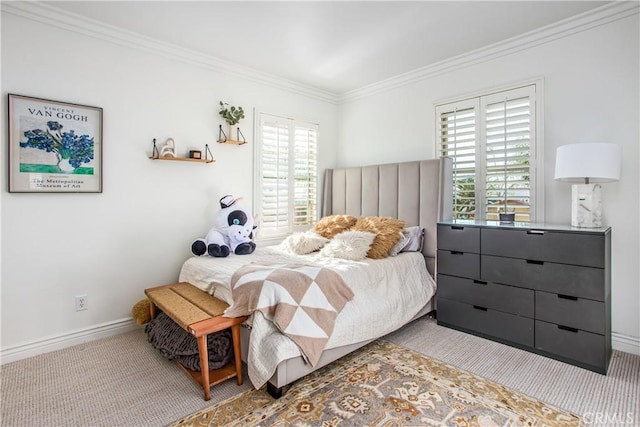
(586, 205)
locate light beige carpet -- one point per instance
(123, 381)
(384, 384)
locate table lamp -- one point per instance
(589, 164)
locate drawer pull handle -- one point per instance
(535, 232)
(569, 297)
(533, 261)
(477, 307)
(457, 227)
(457, 253)
(568, 329)
(479, 282)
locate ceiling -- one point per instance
(336, 46)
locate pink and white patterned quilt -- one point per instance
(301, 300)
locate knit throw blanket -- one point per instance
(177, 344)
(303, 301)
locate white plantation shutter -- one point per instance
(287, 179)
(306, 176)
(509, 131)
(492, 141)
(274, 184)
(458, 140)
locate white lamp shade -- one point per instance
(599, 162)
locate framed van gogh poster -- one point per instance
(54, 147)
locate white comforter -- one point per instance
(388, 293)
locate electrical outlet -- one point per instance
(82, 302)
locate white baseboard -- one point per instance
(625, 343)
(620, 342)
(58, 342)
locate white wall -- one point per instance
(136, 234)
(591, 94)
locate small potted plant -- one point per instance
(231, 115)
(506, 215)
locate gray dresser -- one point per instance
(546, 289)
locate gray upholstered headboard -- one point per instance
(418, 192)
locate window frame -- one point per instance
(479, 100)
(292, 124)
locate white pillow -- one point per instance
(351, 245)
(411, 241)
(302, 243)
(404, 240)
(415, 239)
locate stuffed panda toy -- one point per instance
(232, 232)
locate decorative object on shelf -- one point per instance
(54, 147)
(157, 155)
(169, 149)
(506, 215)
(232, 116)
(591, 164)
(195, 154)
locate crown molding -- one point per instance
(599, 16)
(46, 14)
(50, 15)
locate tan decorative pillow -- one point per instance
(329, 226)
(387, 231)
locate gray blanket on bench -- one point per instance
(177, 344)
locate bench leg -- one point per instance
(152, 310)
(204, 366)
(235, 334)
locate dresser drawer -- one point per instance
(463, 264)
(565, 279)
(493, 323)
(486, 294)
(559, 247)
(459, 238)
(581, 346)
(579, 313)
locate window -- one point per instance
(492, 140)
(287, 178)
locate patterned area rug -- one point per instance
(384, 384)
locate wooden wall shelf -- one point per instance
(231, 141)
(222, 137)
(182, 159)
(156, 155)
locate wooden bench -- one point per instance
(200, 314)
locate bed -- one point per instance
(416, 192)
